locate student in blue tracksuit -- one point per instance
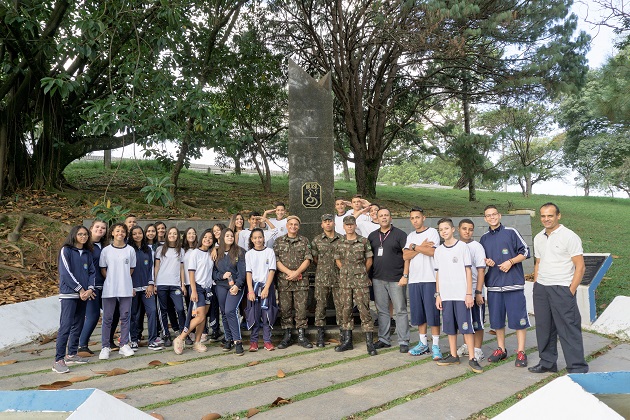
(76, 286)
(144, 286)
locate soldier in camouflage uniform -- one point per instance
(353, 256)
(293, 256)
(327, 274)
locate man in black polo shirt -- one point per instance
(389, 279)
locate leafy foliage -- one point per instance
(104, 211)
(159, 190)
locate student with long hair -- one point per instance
(216, 232)
(229, 277)
(200, 273)
(160, 228)
(117, 263)
(169, 279)
(76, 286)
(150, 233)
(260, 263)
(98, 237)
(189, 244)
(144, 287)
(237, 224)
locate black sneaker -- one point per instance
(498, 355)
(188, 341)
(521, 359)
(113, 346)
(168, 342)
(404, 348)
(228, 346)
(215, 335)
(85, 349)
(450, 360)
(381, 345)
(474, 366)
(239, 349)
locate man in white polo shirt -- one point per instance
(558, 271)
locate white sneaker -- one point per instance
(104, 353)
(126, 351)
(479, 355)
(462, 350)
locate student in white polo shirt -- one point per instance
(558, 271)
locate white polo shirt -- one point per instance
(478, 258)
(555, 252)
(421, 267)
(451, 263)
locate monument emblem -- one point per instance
(311, 195)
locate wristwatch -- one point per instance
(436, 294)
(406, 276)
(478, 292)
(413, 247)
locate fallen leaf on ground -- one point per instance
(117, 371)
(164, 382)
(254, 363)
(101, 372)
(36, 352)
(55, 385)
(616, 256)
(281, 374)
(211, 416)
(175, 363)
(93, 343)
(78, 379)
(333, 341)
(155, 363)
(157, 416)
(85, 354)
(120, 396)
(252, 412)
(44, 339)
(280, 401)
(8, 362)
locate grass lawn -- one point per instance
(206, 196)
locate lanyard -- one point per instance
(384, 238)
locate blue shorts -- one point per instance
(478, 316)
(511, 304)
(456, 316)
(422, 304)
(203, 296)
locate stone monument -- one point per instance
(311, 165)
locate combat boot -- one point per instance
(302, 340)
(320, 337)
(342, 339)
(347, 342)
(286, 340)
(369, 340)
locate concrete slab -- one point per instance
(616, 359)
(615, 320)
(35, 317)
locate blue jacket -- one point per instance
(99, 279)
(76, 272)
(142, 275)
(223, 264)
(500, 245)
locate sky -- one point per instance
(602, 47)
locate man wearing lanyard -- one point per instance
(389, 279)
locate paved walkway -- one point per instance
(321, 384)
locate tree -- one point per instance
(530, 157)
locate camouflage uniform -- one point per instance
(354, 281)
(326, 276)
(292, 295)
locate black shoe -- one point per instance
(188, 341)
(450, 360)
(320, 337)
(168, 342)
(404, 348)
(346, 344)
(215, 335)
(541, 369)
(302, 340)
(113, 347)
(286, 340)
(239, 348)
(475, 366)
(85, 349)
(369, 340)
(381, 345)
(228, 346)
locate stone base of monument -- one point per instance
(615, 320)
(92, 404)
(582, 396)
(31, 319)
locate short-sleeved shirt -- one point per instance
(259, 262)
(478, 258)
(353, 254)
(339, 222)
(187, 256)
(421, 269)
(502, 244)
(365, 227)
(270, 236)
(281, 225)
(170, 265)
(292, 252)
(390, 265)
(555, 252)
(450, 264)
(201, 263)
(323, 248)
(118, 262)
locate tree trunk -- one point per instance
(528, 185)
(107, 159)
(3, 153)
(179, 164)
(472, 191)
(265, 175)
(366, 174)
(346, 170)
(237, 164)
(587, 187)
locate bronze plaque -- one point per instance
(311, 195)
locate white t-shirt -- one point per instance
(478, 259)
(281, 225)
(421, 267)
(187, 256)
(339, 222)
(201, 263)
(270, 237)
(119, 262)
(365, 227)
(450, 264)
(555, 252)
(259, 263)
(170, 265)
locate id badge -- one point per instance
(379, 253)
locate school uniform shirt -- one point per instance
(76, 272)
(502, 244)
(259, 262)
(365, 227)
(187, 255)
(118, 262)
(201, 263)
(281, 225)
(142, 275)
(224, 264)
(270, 237)
(478, 258)
(450, 264)
(168, 273)
(96, 256)
(421, 268)
(339, 222)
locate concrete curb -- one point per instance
(26, 321)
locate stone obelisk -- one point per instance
(311, 165)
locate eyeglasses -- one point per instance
(491, 215)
